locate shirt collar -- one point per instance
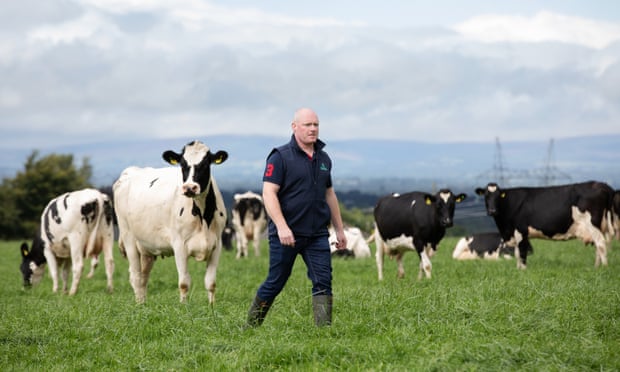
(318, 145)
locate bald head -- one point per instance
(305, 115)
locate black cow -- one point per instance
(415, 220)
(487, 245)
(581, 210)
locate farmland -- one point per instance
(559, 314)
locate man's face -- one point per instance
(306, 128)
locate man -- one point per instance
(300, 200)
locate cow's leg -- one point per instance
(210, 273)
(108, 257)
(524, 247)
(242, 244)
(94, 262)
(425, 261)
(52, 264)
(146, 265)
(401, 267)
(64, 265)
(601, 247)
(77, 262)
(256, 240)
(135, 268)
(180, 259)
(379, 253)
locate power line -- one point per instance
(546, 175)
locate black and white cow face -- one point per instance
(446, 202)
(33, 263)
(492, 196)
(195, 161)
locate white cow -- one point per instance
(171, 212)
(249, 220)
(74, 226)
(357, 246)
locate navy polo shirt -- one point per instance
(303, 183)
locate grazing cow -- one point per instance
(74, 226)
(415, 220)
(357, 246)
(250, 220)
(581, 210)
(616, 209)
(489, 245)
(171, 212)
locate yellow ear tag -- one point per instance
(428, 201)
(173, 162)
(503, 195)
(25, 252)
(218, 160)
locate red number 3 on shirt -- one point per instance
(269, 171)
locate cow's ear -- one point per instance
(24, 249)
(220, 157)
(502, 195)
(480, 191)
(171, 157)
(460, 197)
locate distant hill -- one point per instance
(379, 166)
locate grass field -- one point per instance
(559, 315)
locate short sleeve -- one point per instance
(274, 169)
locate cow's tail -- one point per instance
(371, 237)
(611, 228)
(94, 233)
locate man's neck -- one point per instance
(307, 148)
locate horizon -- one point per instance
(356, 163)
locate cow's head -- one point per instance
(492, 196)
(33, 263)
(446, 202)
(195, 161)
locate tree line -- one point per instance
(23, 197)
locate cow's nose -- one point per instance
(447, 222)
(191, 189)
(491, 212)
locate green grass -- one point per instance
(559, 314)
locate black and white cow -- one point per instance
(249, 220)
(171, 212)
(412, 221)
(357, 247)
(486, 245)
(580, 210)
(616, 210)
(74, 226)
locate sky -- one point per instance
(82, 71)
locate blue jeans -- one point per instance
(315, 253)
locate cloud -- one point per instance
(106, 69)
(543, 27)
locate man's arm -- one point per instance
(334, 207)
(273, 208)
